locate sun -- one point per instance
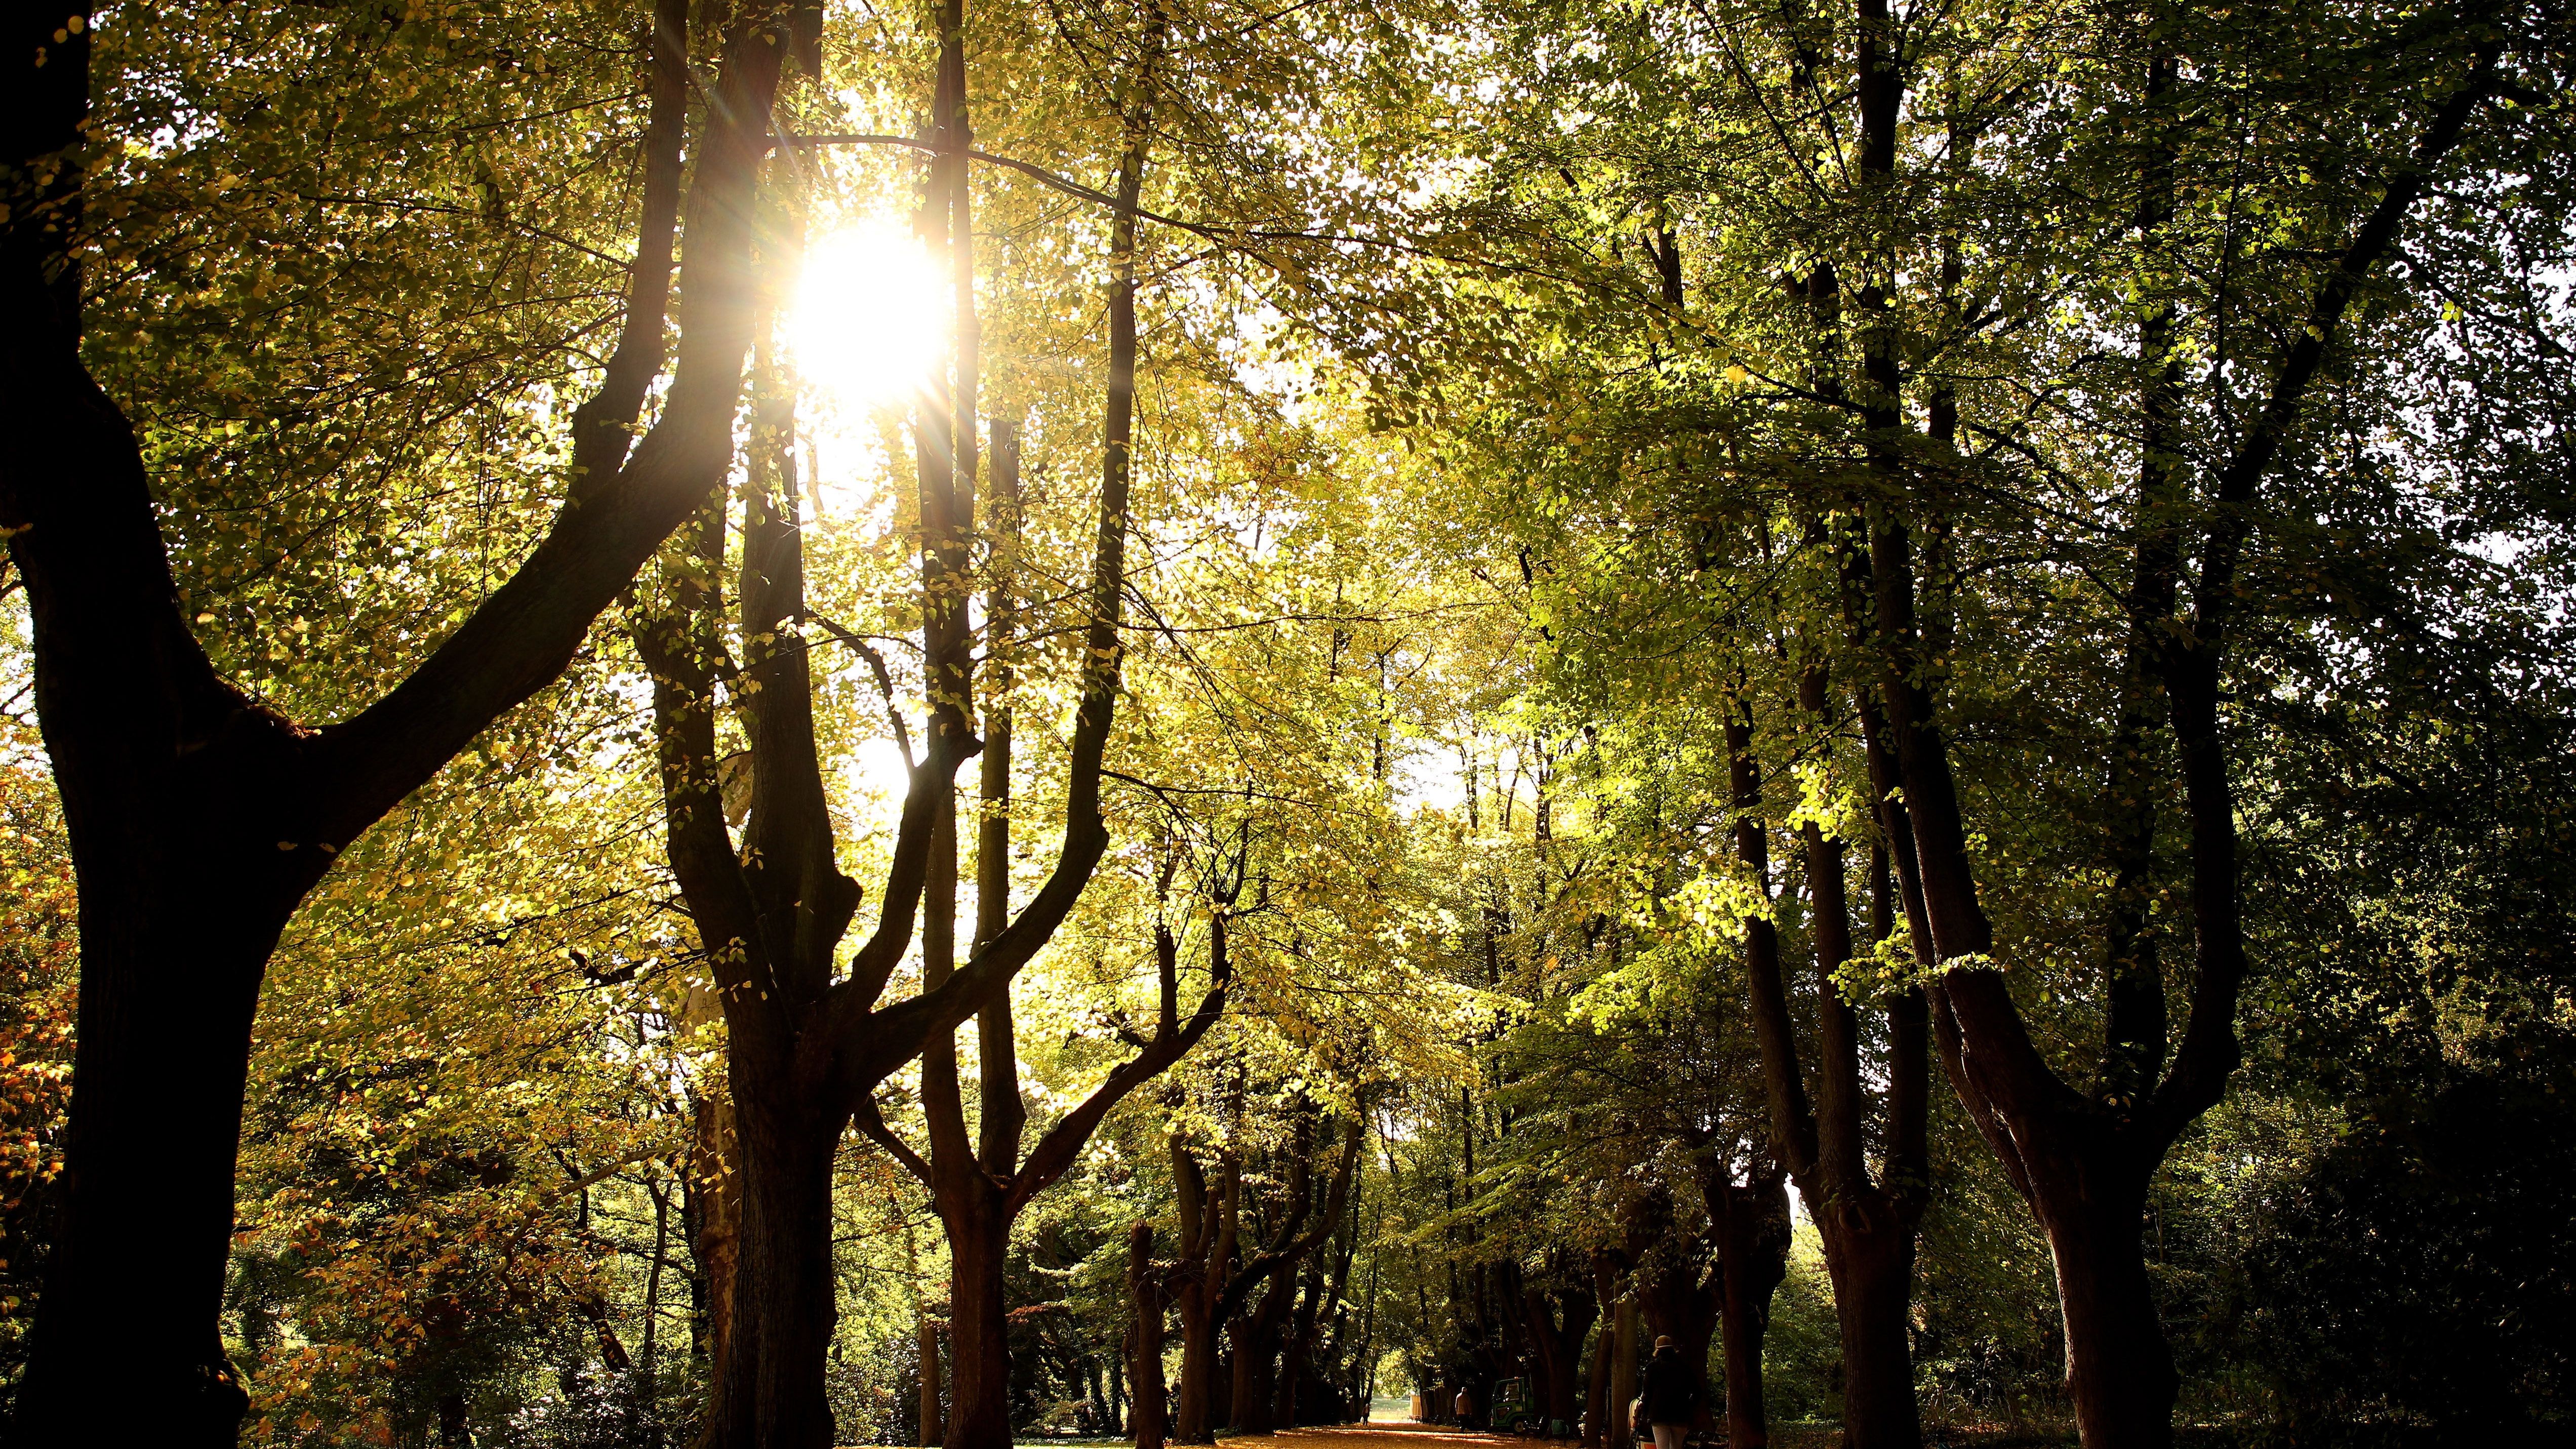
(867, 321)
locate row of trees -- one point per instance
(2026, 541)
(201, 815)
(2003, 485)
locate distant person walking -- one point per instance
(1669, 1397)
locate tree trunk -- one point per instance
(1120, 1421)
(934, 1424)
(1596, 1427)
(1287, 1401)
(979, 1369)
(1686, 1308)
(198, 818)
(2119, 1370)
(769, 1393)
(1254, 1339)
(1623, 1374)
(1560, 1351)
(1872, 1266)
(1297, 1347)
(1145, 1363)
(1753, 1254)
(1194, 1422)
(128, 1348)
(715, 1206)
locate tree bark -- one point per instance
(784, 1289)
(1752, 1229)
(1297, 1346)
(2119, 1370)
(1253, 1339)
(979, 1373)
(1209, 1223)
(1194, 1421)
(1560, 1347)
(1145, 1357)
(1623, 1372)
(933, 1418)
(1680, 1304)
(1121, 1420)
(1873, 1275)
(1598, 1394)
(715, 1200)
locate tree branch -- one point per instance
(2209, 1051)
(1056, 1151)
(871, 1123)
(524, 634)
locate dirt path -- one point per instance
(1379, 1436)
(1405, 1435)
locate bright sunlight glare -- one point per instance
(865, 323)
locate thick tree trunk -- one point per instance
(1872, 1266)
(1297, 1347)
(715, 1206)
(1145, 1342)
(1120, 1420)
(1686, 1309)
(1254, 1338)
(1194, 1421)
(1745, 1318)
(770, 1381)
(128, 1350)
(979, 1370)
(1753, 1256)
(1560, 1351)
(2119, 1370)
(1623, 1373)
(1565, 1388)
(1603, 1352)
(1286, 1402)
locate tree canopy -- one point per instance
(785, 724)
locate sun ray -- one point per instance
(865, 325)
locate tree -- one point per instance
(1226, 1258)
(807, 1043)
(1150, 1419)
(199, 817)
(1655, 570)
(1842, 389)
(1868, 1224)
(2084, 1162)
(981, 1187)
